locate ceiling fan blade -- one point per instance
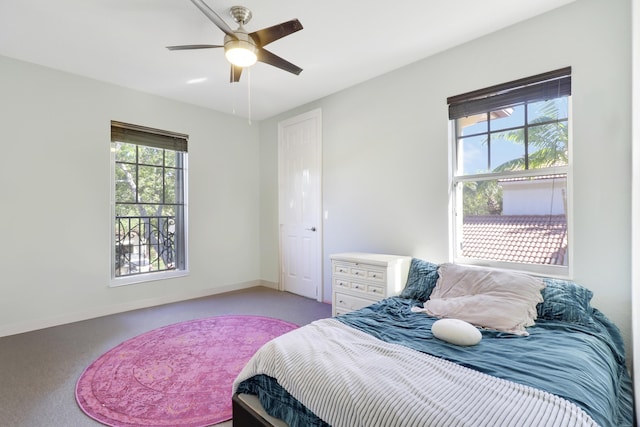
(267, 35)
(271, 59)
(214, 17)
(193, 46)
(235, 73)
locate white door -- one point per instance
(299, 182)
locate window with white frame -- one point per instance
(510, 174)
(148, 203)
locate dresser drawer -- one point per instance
(359, 287)
(341, 268)
(339, 283)
(338, 311)
(360, 271)
(377, 275)
(350, 302)
(374, 290)
(377, 291)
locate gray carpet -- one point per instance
(39, 369)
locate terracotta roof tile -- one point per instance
(529, 239)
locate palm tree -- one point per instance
(546, 146)
(547, 133)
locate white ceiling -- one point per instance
(344, 42)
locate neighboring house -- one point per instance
(530, 239)
(532, 228)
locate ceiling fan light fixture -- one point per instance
(240, 53)
(244, 49)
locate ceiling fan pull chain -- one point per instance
(249, 92)
(233, 93)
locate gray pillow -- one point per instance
(421, 280)
(567, 301)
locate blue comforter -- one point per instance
(582, 364)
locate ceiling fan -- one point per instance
(243, 49)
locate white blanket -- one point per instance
(349, 378)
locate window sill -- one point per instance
(148, 277)
(554, 271)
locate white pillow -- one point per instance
(488, 298)
(456, 331)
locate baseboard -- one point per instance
(35, 324)
(267, 284)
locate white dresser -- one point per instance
(360, 279)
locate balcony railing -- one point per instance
(144, 244)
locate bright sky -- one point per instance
(475, 153)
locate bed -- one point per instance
(560, 362)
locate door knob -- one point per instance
(311, 229)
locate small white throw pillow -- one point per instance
(456, 332)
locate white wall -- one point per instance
(635, 276)
(385, 147)
(55, 216)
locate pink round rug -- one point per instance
(179, 375)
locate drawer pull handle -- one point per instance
(356, 273)
(374, 275)
(375, 291)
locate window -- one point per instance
(510, 146)
(149, 238)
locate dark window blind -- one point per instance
(134, 134)
(550, 85)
